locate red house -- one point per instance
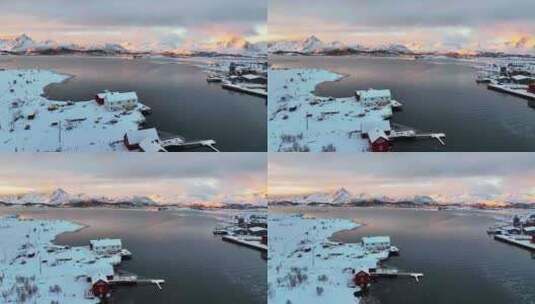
(99, 98)
(101, 288)
(379, 141)
(265, 239)
(362, 279)
(531, 88)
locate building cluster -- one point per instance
(377, 131)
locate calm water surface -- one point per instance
(182, 101)
(460, 262)
(438, 97)
(177, 247)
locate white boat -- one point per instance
(214, 78)
(125, 254)
(393, 250)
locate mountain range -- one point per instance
(61, 198)
(24, 44)
(342, 197)
(313, 45)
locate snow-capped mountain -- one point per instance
(59, 197)
(143, 201)
(338, 197)
(341, 196)
(313, 45)
(25, 44)
(228, 46)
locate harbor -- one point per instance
(519, 232)
(445, 99)
(245, 230)
(513, 77)
(180, 249)
(176, 101)
(307, 246)
(243, 77)
(300, 120)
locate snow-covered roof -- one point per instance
(137, 136)
(148, 145)
(257, 229)
(118, 96)
(375, 239)
(372, 93)
(105, 242)
(370, 124)
(529, 229)
(251, 76)
(375, 134)
(520, 77)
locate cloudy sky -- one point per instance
(447, 177)
(419, 24)
(139, 22)
(166, 177)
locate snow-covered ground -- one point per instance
(305, 267)
(300, 121)
(57, 126)
(33, 270)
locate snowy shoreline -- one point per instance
(299, 120)
(306, 266)
(35, 269)
(29, 121)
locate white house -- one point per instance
(374, 97)
(376, 243)
(106, 246)
(117, 101)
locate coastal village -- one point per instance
(247, 75)
(248, 230)
(113, 121)
(306, 266)
(518, 231)
(512, 76)
(35, 270)
(300, 121)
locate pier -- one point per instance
(134, 280)
(179, 142)
(233, 87)
(517, 90)
(251, 244)
(408, 134)
(393, 273)
(524, 243)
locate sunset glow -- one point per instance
(138, 24)
(170, 178)
(446, 177)
(420, 25)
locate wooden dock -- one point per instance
(393, 273)
(236, 240)
(178, 142)
(526, 244)
(125, 280)
(517, 92)
(407, 134)
(237, 88)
